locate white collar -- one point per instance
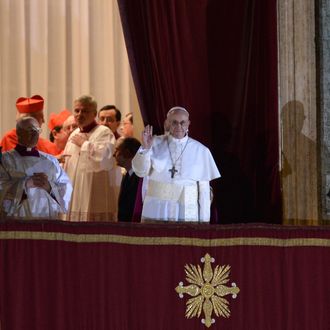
(178, 141)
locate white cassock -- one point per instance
(178, 173)
(19, 201)
(93, 173)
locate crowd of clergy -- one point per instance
(92, 168)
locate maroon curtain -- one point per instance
(66, 276)
(218, 59)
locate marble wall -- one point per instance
(298, 112)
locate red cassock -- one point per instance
(9, 142)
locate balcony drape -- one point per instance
(57, 275)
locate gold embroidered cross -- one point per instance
(207, 288)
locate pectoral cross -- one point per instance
(172, 170)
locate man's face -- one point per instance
(127, 128)
(120, 157)
(61, 137)
(84, 114)
(28, 134)
(69, 125)
(39, 116)
(108, 118)
(178, 124)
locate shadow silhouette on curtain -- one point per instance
(299, 171)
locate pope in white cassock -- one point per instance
(89, 163)
(32, 183)
(178, 170)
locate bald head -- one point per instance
(27, 130)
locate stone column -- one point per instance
(297, 106)
(323, 53)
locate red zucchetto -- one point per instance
(30, 104)
(57, 119)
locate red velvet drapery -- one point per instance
(57, 275)
(218, 59)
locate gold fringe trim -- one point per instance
(181, 241)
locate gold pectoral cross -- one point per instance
(173, 171)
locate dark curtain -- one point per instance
(219, 60)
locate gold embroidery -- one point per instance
(173, 192)
(207, 288)
(164, 190)
(90, 217)
(186, 195)
(179, 241)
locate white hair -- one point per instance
(88, 100)
(25, 121)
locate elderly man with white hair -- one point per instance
(89, 163)
(178, 171)
(32, 183)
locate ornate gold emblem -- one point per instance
(207, 289)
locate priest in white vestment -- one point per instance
(32, 183)
(178, 171)
(88, 161)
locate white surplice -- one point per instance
(17, 200)
(186, 195)
(93, 173)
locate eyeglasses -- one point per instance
(182, 123)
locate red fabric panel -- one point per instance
(167, 49)
(60, 283)
(242, 41)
